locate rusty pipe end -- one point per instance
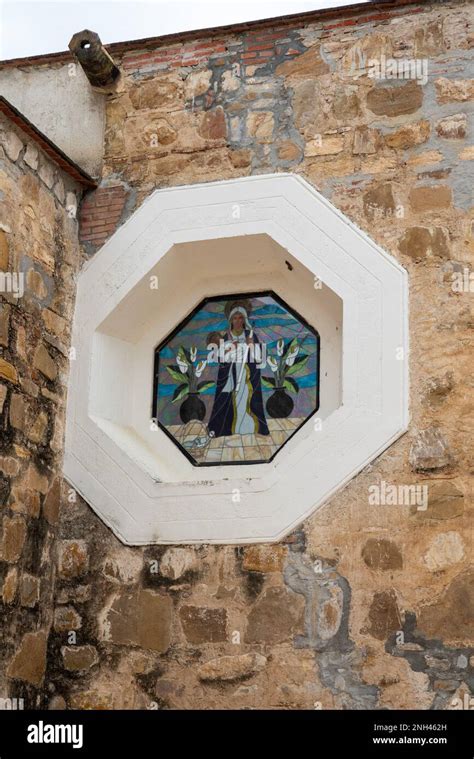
(97, 64)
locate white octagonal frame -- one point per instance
(237, 509)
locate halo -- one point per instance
(243, 303)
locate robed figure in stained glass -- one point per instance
(238, 402)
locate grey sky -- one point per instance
(33, 27)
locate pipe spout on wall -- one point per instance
(97, 64)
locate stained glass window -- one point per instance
(236, 379)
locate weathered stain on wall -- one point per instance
(60, 102)
(369, 604)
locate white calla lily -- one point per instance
(294, 352)
(200, 368)
(290, 359)
(183, 365)
(280, 347)
(272, 364)
(193, 353)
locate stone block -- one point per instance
(29, 662)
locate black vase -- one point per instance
(192, 408)
(280, 404)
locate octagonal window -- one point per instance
(168, 482)
(236, 379)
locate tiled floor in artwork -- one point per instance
(234, 448)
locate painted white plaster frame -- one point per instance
(112, 465)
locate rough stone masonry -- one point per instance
(365, 606)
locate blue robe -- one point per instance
(222, 420)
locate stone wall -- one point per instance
(367, 605)
(39, 258)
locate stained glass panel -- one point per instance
(236, 379)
